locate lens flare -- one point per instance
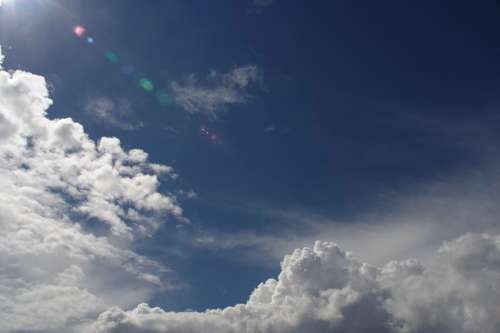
(211, 136)
(146, 84)
(163, 98)
(139, 78)
(111, 56)
(79, 31)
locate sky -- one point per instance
(255, 166)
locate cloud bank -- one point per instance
(216, 92)
(70, 212)
(325, 289)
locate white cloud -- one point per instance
(325, 289)
(410, 223)
(2, 57)
(115, 113)
(70, 210)
(218, 91)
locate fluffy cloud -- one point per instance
(70, 210)
(114, 113)
(218, 91)
(325, 289)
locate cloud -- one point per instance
(325, 289)
(115, 113)
(71, 210)
(2, 57)
(216, 92)
(411, 222)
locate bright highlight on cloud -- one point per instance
(219, 90)
(70, 211)
(324, 289)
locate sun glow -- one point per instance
(4, 2)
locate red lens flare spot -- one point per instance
(79, 31)
(211, 136)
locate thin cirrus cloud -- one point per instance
(413, 224)
(60, 275)
(212, 95)
(117, 113)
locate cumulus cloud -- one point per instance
(112, 112)
(217, 91)
(70, 211)
(325, 289)
(72, 208)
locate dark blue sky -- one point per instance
(355, 100)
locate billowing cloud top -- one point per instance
(324, 289)
(58, 156)
(69, 210)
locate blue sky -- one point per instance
(283, 120)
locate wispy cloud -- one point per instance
(217, 91)
(413, 224)
(116, 113)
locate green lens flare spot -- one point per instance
(163, 98)
(112, 57)
(146, 84)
